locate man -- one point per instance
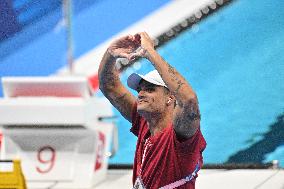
(165, 116)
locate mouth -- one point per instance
(142, 101)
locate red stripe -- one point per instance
(94, 82)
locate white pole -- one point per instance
(67, 10)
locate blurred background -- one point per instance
(231, 52)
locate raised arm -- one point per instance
(187, 116)
(109, 81)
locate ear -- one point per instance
(170, 99)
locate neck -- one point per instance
(158, 122)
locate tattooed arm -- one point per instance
(187, 116)
(109, 80)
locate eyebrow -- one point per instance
(147, 85)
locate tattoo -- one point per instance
(110, 76)
(119, 103)
(194, 116)
(179, 86)
(120, 98)
(171, 70)
(193, 111)
(172, 73)
(176, 92)
(121, 106)
(185, 120)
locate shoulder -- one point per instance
(195, 143)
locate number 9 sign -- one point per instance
(46, 156)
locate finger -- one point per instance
(137, 38)
(124, 55)
(123, 38)
(146, 35)
(119, 54)
(126, 38)
(140, 53)
(133, 56)
(129, 36)
(143, 34)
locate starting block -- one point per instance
(11, 175)
(57, 128)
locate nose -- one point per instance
(141, 94)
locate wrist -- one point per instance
(150, 53)
(109, 54)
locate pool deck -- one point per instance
(211, 178)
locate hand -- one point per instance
(146, 45)
(124, 47)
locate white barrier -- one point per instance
(53, 125)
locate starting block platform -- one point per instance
(56, 127)
(11, 175)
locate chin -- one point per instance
(144, 111)
(141, 110)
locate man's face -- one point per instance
(151, 98)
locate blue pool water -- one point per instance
(235, 62)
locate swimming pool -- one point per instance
(234, 60)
